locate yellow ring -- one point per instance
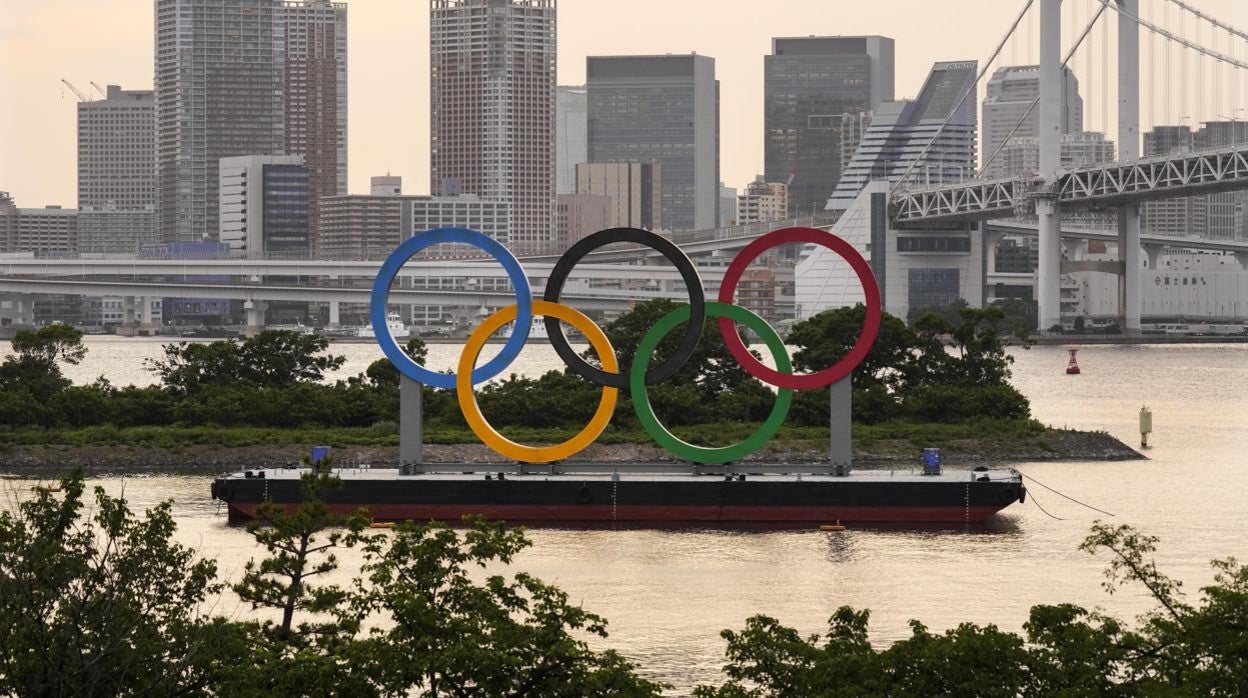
(511, 449)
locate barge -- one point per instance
(640, 495)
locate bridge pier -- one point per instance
(1155, 253)
(255, 318)
(333, 314)
(1242, 258)
(1049, 131)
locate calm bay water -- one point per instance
(668, 594)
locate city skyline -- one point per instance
(110, 41)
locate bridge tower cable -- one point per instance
(965, 93)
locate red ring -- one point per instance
(838, 370)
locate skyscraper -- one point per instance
(116, 171)
(492, 108)
(809, 84)
(264, 203)
(662, 109)
(1009, 95)
(219, 93)
(900, 131)
(570, 125)
(315, 95)
(1184, 215)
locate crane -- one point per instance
(81, 97)
(99, 89)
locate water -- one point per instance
(668, 594)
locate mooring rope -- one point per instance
(1046, 511)
(1076, 501)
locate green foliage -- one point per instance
(99, 605)
(270, 359)
(501, 636)
(33, 373)
(1180, 650)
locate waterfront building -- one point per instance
(762, 201)
(1009, 95)
(809, 85)
(571, 146)
(370, 227)
(50, 230)
(117, 171)
(265, 205)
(219, 92)
(314, 92)
(900, 132)
(492, 109)
(1186, 215)
(662, 109)
(635, 190)
(579, 215)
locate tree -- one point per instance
(382, 373)
(312, 656)
(33, 373)
(898, 359)
(272, 358)
(105, 605)
(500, 637)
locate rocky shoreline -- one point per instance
(1055, 445)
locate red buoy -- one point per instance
(1072, 367)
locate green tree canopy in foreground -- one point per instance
(107, 603)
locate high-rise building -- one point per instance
(1009, 95)
(386, 185)
(901, 131)
(1227, 210)
(315, 94)
(570, 146)
(727, 205)
(51, 230)
(117, 171)
(1185, 215)
(264, 205)
(809, 84)
(662, 109)
(635, 190)
(853, 126)
(492, 108)
(762, 201)
(220, 78)
(579, 215)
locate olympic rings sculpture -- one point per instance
(610, 376)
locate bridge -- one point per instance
(1124, 185)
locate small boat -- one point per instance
(832, 527)
(1072, 366)
(394, 323)
(537, 330)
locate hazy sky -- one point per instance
(110, 41)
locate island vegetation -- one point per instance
(101, 601)
(936, 380)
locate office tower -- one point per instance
(1186, 215)
(900, 131)
(492, 108)
(50, 230)
(219, 93)
(852, 128)
(579, 215)
(116, 171)
(315, 94)
(1227, 210)
(727, 205)
(662, 109)
(570, 148)
(809, 84)
(264, 205)
(762, 201)
(635, 190)
(1009, 95)
(386, 185)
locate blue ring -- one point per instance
(381, 294)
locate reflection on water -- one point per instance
(667, 594)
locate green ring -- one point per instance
(665, 438)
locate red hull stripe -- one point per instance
(635, 514)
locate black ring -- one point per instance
(665, 247)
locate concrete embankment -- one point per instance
(1050, 446)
